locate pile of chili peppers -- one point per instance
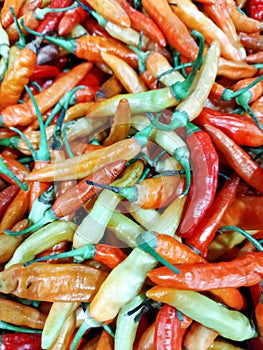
(131, 175)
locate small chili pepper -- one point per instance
(49, 235)
(20, 341)
(6, 16)
(167, 333)
(240, 129)
(199, 337)
(21, 315)
(207, 228)
(70, 19)
(173, 28)
(238, 159)
(230, 324)
(241, 271)
(27, 282)
(256, 9)
(24, 114)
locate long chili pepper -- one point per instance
(239, 128)
(195, 19)
(20, 341)
(150, 193)
(76, 196)
(207, 228)
(24, 114)
(241, 271)
(167, 335)
(81, 166)
(238, 159)
(199, 337)
(44, 71)
(6, 16)
(230, 324)
(81, 281)
(108, 255)
(21, 315)
(172, 27)
(70, 19)
(49, 235)
(129, 78)
(245, 212)
(89, 47)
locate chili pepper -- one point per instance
(241, 271)
(254, 58)
(106, 341)
(207, 228)
(57, 248)
(106, 204)
(6, 16)
(24, 114)
(81, 281)
(108, 255)
(146, 340)
(127, 323)
(21, 315)
(4, 51)
(199, 337)
(6, 197)
(230, 324)
(238, 159)
(70, 19)
(52, 19)
(244, 213)
(235, 70)
(13, 172)
(239, 128)
(172, 27)
(126, 75)
(253, 42)
(9, 244)
(16, 210)
(94, 28)
(49, 235)
(256, 9)
(20, 341)
(44, 71)
(57, 316)
(76, 196)
(167, 333)
(121, 124)
(195, 19)
(242, 22)
(150, 193)
(31, 6)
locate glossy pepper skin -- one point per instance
(256, 9)
(20, 341)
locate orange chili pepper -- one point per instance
(70, 19)
(109, 88)
(6, 16)
(199, 337)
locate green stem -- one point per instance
(21, 43)
(178, 120)
(10, 327)
(88, 251)
(251, 239)
(81, 331)
(142, 136)
(147, 242)
(142, 56)
(40, 14)
(49, 216)
(65, 139)
(41, 205)
(179, 67)
(182, 155)
(7, 172)
(11, 142)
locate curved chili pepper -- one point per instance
(237, 158)
(240, 129)
(24, 114)
(230, 324)
(20, 341)
(207, 228)
(52, 19)
(167, 335)
(26, 282)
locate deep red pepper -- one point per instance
(51, 20)
(240, 128)
(44, 71)
(6, 197)
(70, 19)
(204, 164)
(20, 341)
(206, 230)
(256, 9)
(167, 335)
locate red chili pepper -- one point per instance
(16, 167)
(70, 19)
(20, 341)
(245, 270)
(207, 228)
(238, 159)
(256, 9)
(6, 16)
(167, 335)
(52, 19)
(239, 128)
(44, 71)
(6, 197)
(94, 28)
(204, 164)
